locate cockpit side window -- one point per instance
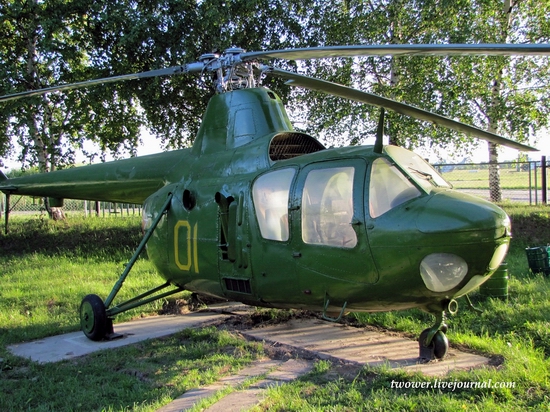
(388, 188)
(270, 194)
(327, 207)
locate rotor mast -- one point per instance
(229, 71)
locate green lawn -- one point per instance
(47, 267)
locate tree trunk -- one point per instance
(494, 172)
(32, 120)
(46, 161)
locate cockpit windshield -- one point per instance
(417, 168)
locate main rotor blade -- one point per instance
(189, 68)
(541, 49)
(405, 109)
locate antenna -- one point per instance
(380, 132)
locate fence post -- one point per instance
(544, 183)
(530, 185)
(536, 186)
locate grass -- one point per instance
(47, 267)
(510, 178)
(140, 377)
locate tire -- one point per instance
(93, 318)
(437, 348)
(441, 345)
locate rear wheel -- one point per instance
(93, 318)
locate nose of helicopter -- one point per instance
(454, 212)
(473, 236)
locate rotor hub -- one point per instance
(229, 71)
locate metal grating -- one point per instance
(288, 145)
(238, 285)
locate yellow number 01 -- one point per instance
(192, 258)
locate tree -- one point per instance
(47, 43)
(42, 45)
(463, 88)
(424, 81)
(59, 41)
(507, 95)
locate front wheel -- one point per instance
(441, 345)
(93, 318)
(437, 348)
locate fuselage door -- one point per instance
(329, 240)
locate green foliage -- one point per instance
(462, 87)
(46, 43)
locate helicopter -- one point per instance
(258, 212)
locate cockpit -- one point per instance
(392, 184)
(330, 193)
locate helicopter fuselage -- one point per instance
(279, 221)
(266, 215)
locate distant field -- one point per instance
(479, 179)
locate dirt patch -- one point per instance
(265, 317)
(194, 303)
(175, 307)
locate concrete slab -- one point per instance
(71, 345)
(276, 372)
(330, 340)
(193, 396)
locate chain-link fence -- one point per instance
(519, 181)
(30, 205)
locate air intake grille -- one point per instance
(288, 145)
(238, 285)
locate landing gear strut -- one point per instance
(433, 343)
(96, 316)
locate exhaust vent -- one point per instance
(238, 285)
(288, 145)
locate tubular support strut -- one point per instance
(325, 307)
(136, 301)
(439, 325)
(122, 278)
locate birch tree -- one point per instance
(509, 96)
